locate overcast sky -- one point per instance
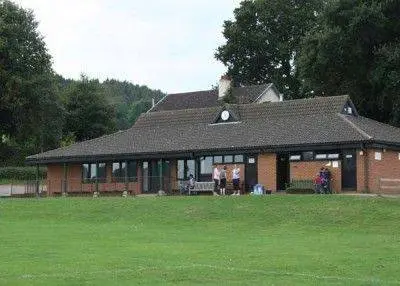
(164, 44)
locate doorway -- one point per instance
(282, 171)
(349, 170)
(250, 172)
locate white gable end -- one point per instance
(270, 94)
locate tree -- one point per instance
(355, 49)
(89, 115)
(264, 40)
(29, 106)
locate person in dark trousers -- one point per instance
(318, 184)
(222, 180)
(216, 179)
(327, 178)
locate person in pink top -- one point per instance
(216, 179)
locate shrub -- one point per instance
(22, 173)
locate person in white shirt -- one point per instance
(216, 179)
(222, 180)
(236, 180)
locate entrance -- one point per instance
(151, 176)
(349, 170)
(282, 171)
(250, 172)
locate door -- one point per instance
(349, 170)
(282, 171)
(250, 172)
(145, 179)
(151, 176)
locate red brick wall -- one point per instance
(267, 170)
(361, 171)
(307, 170)
(55, 176)
(388, 168)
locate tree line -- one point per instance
(319, 48)
(40, 110)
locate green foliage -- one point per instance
(22, 173)
(273, 240)
(264, 40)
(30, 111)
(89, 115)
(355, 49)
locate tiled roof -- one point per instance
(207, 98)
(316, 121)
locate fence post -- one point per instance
(37, 181)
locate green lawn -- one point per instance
(272, 240)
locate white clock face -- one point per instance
(225, 115)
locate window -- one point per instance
(238, 159)
(181, 169)
(185, 168)
(378, 156)
(333, 156)
(320, 156)
(308, 156)
(228, 159)
(295, 157)
(92, 172)
(118, 171)
(218, 159)
(399, 156)
(206, 165)
(132, 171)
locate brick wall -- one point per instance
(388, 168)
(361, 170)
(307, 170)
(267, 170)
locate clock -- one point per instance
(225, 115)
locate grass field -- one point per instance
(272, 240)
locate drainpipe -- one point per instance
(366, 171)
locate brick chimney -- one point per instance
(223, 86)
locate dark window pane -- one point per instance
(218, 159)
(308, 156)
(85, 171)
(101, 171)
(132, 170)
(228, 159)
(238, 158)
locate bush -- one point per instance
(22, 173)
(294, 190)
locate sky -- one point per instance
(164, 44)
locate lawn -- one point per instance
(272, 240)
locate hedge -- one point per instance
(22, 173)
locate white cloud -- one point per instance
(164, 44)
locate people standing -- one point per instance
(236, 180)
(216, 173)
(222, 180)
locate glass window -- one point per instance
(132, 171)
(228, 159)
(308, 156)
(333, 156)
(181, 169)
(218, 159)
(93, 171)
(101, 171)
(206, 165)
(85, 171)
(378, 156)
(294, 157)
(239, 158)
(116, 169)
(320, 156)
(190, 169)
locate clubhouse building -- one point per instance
(273, 141)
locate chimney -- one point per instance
(152, 102)
(281, 97)
(224, 85)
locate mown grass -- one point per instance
(273, 240)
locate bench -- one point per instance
(298, 186)
(202, 187)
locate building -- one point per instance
(272, 141)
